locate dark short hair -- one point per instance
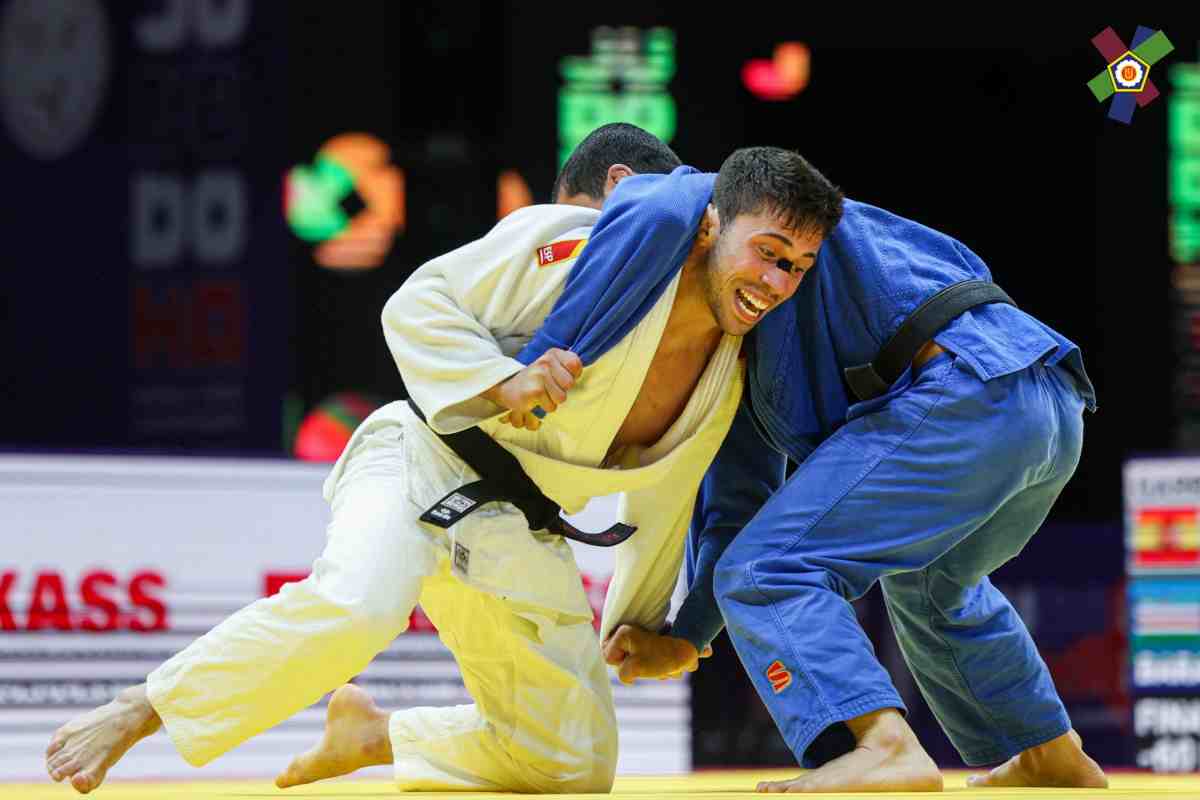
(781, 182)
(586, 170)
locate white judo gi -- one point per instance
(509, 603)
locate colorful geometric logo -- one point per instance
(1166, 538)
(319, 202)
(1129, 73)
(1126, 79)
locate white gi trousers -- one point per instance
(511, 608)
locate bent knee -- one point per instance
(379, 612)
(577, 768)
(598, 784)
(597, 779)
(739, 582)
(380, 619)
(380, 607)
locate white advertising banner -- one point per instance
(112, 564)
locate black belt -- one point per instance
(504, 479)
(869, 381)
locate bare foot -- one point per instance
(83, 750)
(888, 758)
(356, 736)
(1059, 762)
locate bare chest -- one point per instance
(669, 383)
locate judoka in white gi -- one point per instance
(645, 419)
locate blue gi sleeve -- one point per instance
(746, 471)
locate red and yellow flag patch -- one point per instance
(560, 251)
(779, 676)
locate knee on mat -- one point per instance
(598, 780)
(586, 771)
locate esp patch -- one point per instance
(560, 251)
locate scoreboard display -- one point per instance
(1162, 504)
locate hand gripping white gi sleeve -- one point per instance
(456, 321)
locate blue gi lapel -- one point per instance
(642, 238)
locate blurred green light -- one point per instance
(314, 195)
(623, 80)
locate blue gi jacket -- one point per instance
(870, 274)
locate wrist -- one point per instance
(684, 649)
(690, 633)
(493, 394)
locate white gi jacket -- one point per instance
(453, 328)
(543, 718)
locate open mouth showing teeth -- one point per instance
(750, 307)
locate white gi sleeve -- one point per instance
(647, 564)
(455, 323)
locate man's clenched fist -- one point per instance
(640, 654)
(543, 383)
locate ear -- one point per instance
(616, 174)
(710, 227)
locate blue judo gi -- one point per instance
(926, 489)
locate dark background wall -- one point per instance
(982, 129)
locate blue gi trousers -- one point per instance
(926, 489)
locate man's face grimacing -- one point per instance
(754, 265)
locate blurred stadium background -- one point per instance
(209, 202)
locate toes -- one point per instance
(57, 762)
(85, 781)
(289, 777)
(65, 768)
(780, 787)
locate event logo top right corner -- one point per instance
(1127, 75)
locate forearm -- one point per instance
(455, 323)
(450, 361)
(699, 619)
(745, 473)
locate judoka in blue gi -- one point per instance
(927, 489)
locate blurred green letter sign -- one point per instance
(623, 80)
